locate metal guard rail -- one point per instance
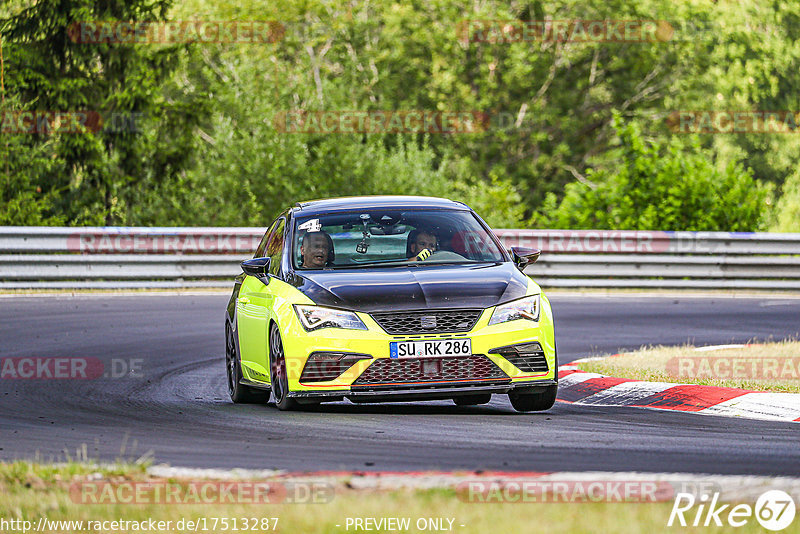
(133, 257)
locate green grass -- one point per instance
(29, 491)
(688, 366)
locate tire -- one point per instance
(277, 372)
(473, 400)
(534, 402)
(240, 394)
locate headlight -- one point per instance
(524, 308)
(316, 317)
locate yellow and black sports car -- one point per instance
(390, 298)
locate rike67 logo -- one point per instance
(774, 510)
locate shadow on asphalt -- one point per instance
(406, 408)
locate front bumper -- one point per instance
(489, 345)
(437, 392)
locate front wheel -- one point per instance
(278, 376)
(534, 402)
(240, 394)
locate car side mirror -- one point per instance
(524, 256)
(257, 267)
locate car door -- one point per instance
(255, 300)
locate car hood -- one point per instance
(414, 288)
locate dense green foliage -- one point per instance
(206, 150)
(89, 176)
(672, 187)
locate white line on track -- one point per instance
(768, 406)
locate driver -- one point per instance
(421, 244)
(316, 250)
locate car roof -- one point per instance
(373, 202)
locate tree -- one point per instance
(95, 171)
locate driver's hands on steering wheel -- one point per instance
(423, 255)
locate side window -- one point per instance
(262, 247)
(275, 246)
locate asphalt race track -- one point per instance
(178, 410)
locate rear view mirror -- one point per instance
(524, 256)
(396, 229)
(257, 267)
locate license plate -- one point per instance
(430, 349)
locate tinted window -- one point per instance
(352, 239)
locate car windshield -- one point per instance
(391, 237)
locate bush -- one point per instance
(787, 210)
(25, 174)
(655, 186)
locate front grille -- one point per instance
(427, 322)
(405, 370)
(527, 357)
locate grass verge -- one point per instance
(31, 491)
(764, 367)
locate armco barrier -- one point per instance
(115, 257)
